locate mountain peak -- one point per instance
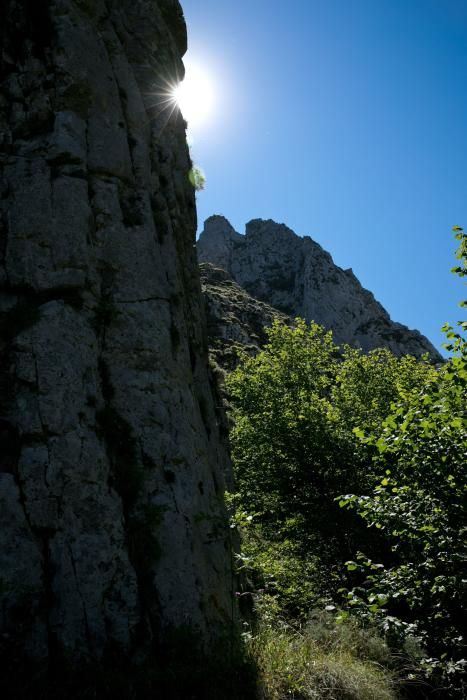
(296, 276)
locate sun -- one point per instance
(194, 95)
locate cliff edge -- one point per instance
(297, 277)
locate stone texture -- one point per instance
(297, 277)
(112, 523)
(236, 320)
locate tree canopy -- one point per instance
(350, 473)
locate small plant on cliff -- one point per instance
(197, 178)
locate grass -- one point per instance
(319, 662)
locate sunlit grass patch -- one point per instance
(292, 663)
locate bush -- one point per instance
(197, 178)
(294, 451)
(313, 421)
(418, 503)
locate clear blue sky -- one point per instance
(346, 120)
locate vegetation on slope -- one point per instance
(351, 498)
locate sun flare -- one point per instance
(194, 95)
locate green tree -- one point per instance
(419, 504)
(294, 407)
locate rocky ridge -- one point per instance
(293, 275)
(113, 530)
(236, 320)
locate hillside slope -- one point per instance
(236, 320)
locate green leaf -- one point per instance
(381, 445)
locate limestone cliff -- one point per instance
(112, 524)
(297, 277)
(236, 320)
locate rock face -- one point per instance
(112, 523)
(236, 320)
(297, 277)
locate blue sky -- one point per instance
(346, 120)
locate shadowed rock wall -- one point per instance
(112, 524)
(236, 320)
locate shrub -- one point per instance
(197, 178)
(294, 451)
(418, 503)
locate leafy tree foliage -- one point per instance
(294, 450)
(313, 421)
(419, 503)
